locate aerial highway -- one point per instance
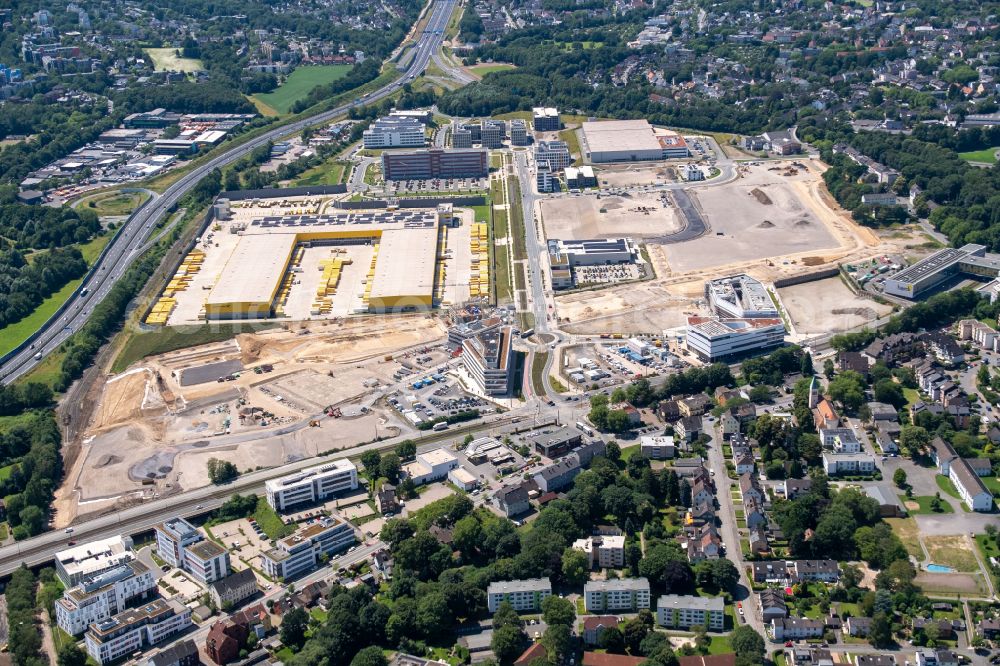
(128, 242)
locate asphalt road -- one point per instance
(128, 243)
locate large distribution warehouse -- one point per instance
(629, 141)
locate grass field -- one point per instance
(114, 203)
(328, 173)
(912, 396)
(537, 369)
(483, 70)
(170, 338)
(989, 155)
(299, 84)
(951, 551)
(907, 531)
(167, 60)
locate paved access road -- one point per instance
(128, 243)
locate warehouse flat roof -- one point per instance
(620, 135)
(406, 262)
(254, 269)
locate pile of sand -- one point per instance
(766, 224)
(761, 198)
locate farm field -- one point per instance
(299, 84)
(167, 60)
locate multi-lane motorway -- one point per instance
(127, 244)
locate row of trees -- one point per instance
(23, 285)
(31, 449)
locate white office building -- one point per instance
(183, 546)
(395, 132)
(712, 338)
(103, 596)
(740, 297)
(301, 552)
(130, 631)
(556, 153)
(311, 485)
(523, 595)
(616, 595)
(659, 447)
(488, 358)
(684, 611)
(76, 564)
(430, 466)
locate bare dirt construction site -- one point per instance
(587, 216)
(633, 176)
(158, 423)
(828, 306)
(777, 221)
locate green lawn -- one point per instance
(945, 484)
(911, 396)
(907, 531)
(573, 143)
(269, 521)
(93, 248)
(300, 83)
(993, 483)
(170, 338)
(328, 173)
(925, 505)
(988, 155)
(483, 70)
(115, 202)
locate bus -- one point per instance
(528, 333)
(584, 428)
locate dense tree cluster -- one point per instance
(23, 285)
(25, 635)
(31, 448)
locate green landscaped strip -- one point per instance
(328, 173)
(911, 395)
(987, 155)
(13, 335)
(537, 370)
(270, 522)
(945, 484)
(573, 143)
(300, 83)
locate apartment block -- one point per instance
(301, 552)
(132, 630)
(606, 552)
(172, 537)
(850, 463)
(523, 595)
(312, 485)
(103, 596)
(621, 594)
(685, 611)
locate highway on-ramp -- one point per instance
(128, 243)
